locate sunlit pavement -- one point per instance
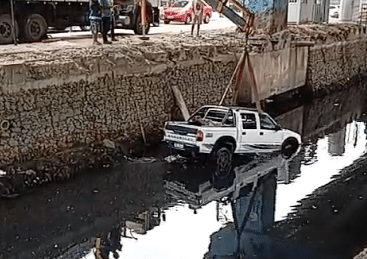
(215, 23)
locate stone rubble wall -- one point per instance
(336, 64)
(50, 109)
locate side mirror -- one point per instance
(278, 127)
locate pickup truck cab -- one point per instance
(223, 131)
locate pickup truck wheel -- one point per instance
(223, 158)
(289, 147)
(35, 28)
(6, 29)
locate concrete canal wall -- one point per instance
(55, 99)
(336, 63)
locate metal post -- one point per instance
(143, 19)
(13, 21)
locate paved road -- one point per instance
(78, 38)
(216, 23)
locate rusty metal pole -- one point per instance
(143, 18)
(143, 12)
(13, 21)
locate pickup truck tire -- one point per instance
(166, 21)
(35, 27)
(223, 159)
(289, 147)
(6, 29)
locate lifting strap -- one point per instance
(243, 77)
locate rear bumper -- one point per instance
(183, 148)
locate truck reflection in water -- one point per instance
(250, 190)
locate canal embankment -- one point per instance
(65, 97)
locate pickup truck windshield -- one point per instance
(267, 123)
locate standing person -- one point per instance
(113, 19)
(198, 8)
(106, 19)
(95, 20)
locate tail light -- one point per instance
(199, 136)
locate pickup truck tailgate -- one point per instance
(180, 133)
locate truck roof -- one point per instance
(231, 107)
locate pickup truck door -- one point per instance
(248, 130)
(270, 134)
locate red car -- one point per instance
(182, 11)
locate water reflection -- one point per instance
(64, 219)
(253, 214)
(318, 166)
(336, 143)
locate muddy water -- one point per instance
(183, 210)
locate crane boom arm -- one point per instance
(244, 23)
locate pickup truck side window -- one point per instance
(267, 123)
(248, 121)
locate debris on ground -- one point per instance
(174, 158)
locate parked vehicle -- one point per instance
(128, 15)
(334, 11)
(182, 11)
(224, 131)
(32, 18)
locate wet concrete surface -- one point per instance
(309, 206)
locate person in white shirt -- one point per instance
(198, 8)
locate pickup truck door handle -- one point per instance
(244, 133)
(261, 133)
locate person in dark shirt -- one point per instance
(95, 20)
(106, 6)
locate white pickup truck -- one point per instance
(222, 131)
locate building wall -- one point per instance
(306, 11)
(293, 11)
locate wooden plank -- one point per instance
(180, 102)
